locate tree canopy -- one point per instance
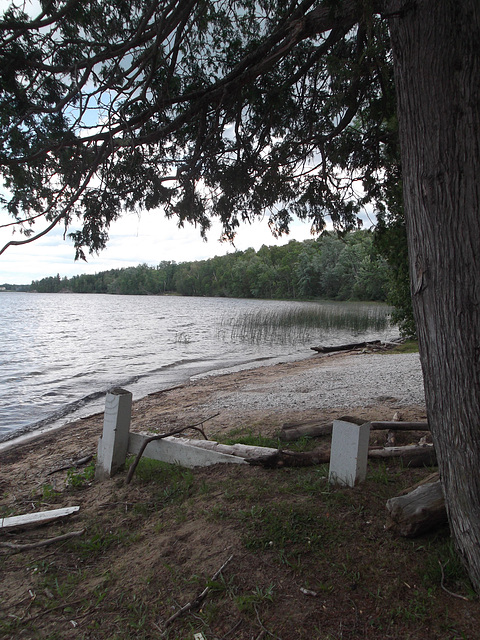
(225, 108)
(204, 108)
(328, 268)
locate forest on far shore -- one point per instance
(330, 267)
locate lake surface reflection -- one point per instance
(60, 353)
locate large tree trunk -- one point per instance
(436, 47)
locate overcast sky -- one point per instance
(134, 240)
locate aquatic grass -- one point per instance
(295, 324)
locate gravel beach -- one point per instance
(335, 381)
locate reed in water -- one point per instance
(293, 325)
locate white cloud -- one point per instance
(149, 238)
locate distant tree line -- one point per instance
(14, 287)
(329, 267)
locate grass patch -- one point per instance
(176, 481)
(98, 541)
(409, 346)
(248, 436)
(78, 479)
(287, 530)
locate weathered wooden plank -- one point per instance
(175, 451)
(315, 428)
(312, 430)
(36, 519)
(240, 450)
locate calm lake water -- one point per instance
(60, 353)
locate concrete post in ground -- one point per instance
(349, 454)
(113, 444)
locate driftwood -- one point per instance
(417, 512)
(311, 429)
(198, 600)
(411, 456)
(71, 464)
(291, 431)
(238, 450)
(283, 458)
(346, 347)
(35, 519)
(393, 425)
(16, 548)
(432, 477)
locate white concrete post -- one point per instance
(113, 444)
(349, 453)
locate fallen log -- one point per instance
(238, 450)
(393, 425)
(291, 431)
(411, 456)
(313, 429)
(432, 477)
(417, 512)
(283, 458)
(346, 347)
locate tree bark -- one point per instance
(436, 49)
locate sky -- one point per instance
(148, 238)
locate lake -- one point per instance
(60, 353)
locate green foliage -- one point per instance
(391, 243)
(409, 346)
(286, 529)
(174, 483)
(206, 109)
(247, 602)
(330, 267)
(98, 541)
(77, 479)
(249, 438)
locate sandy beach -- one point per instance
(368, 385)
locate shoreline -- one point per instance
(262, 398)
(53, 424)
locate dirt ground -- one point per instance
(303, 559)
